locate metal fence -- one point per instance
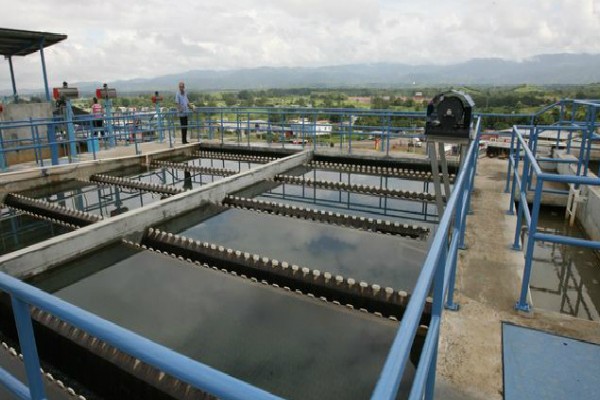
(532, 178)
(62, 139)
(439, 268)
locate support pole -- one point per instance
(29, 349)
(70, 131)
(445, 174)
(12, 77)
(435, 172)
(44, 73)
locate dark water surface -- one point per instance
(104, 200)
(371, 206)
(291, 345)
(19, 231)
(565, 279)
(383, 259)
(388, 182)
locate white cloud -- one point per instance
(113, 40)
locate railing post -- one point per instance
(517, 158)
(459, 232)
(510, 156)
(2, 159)
(28, 348)
(522, 304)
(523, 191)
(436, 312)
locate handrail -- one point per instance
(194, 373)
(531, 168)
(120, 128)
(391, 375)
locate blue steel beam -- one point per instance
(13, 385)
(571, 241)
(28, 348)
(522, 304)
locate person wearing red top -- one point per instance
(97, 113)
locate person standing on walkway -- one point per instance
(183, 105)
(97, 113)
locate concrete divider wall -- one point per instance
(42, 256)
(588, 211)
(34, 177)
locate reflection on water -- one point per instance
(293, 346)
(565, 278)
(388, 182)
(371, 206)
(19, 231)
(176, 177)
(224, 164)
(104, 200)
(386, 260)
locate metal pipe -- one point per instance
(571, 241)
(45, 74)
(28, 347)
(522, 304)
(12, 77)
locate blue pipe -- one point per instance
(425, 361)
(522, 304)
(571, 241)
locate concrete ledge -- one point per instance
(42, 256)
(33, 177)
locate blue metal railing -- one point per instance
(274, 126)
(439, 268)
(194, 373)
(526, 149)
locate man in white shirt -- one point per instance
(183, 105)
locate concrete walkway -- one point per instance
(488, 283)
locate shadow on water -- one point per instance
(293, 346)
(565, 279)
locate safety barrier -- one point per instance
(439, 268)
(532, 174)
(52, 138)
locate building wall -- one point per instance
(22, 112)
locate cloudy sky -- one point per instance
(111, 40)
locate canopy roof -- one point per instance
(14, 42)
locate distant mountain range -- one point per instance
(545, 69)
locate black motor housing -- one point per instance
(449, 116)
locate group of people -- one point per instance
(183, 107)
